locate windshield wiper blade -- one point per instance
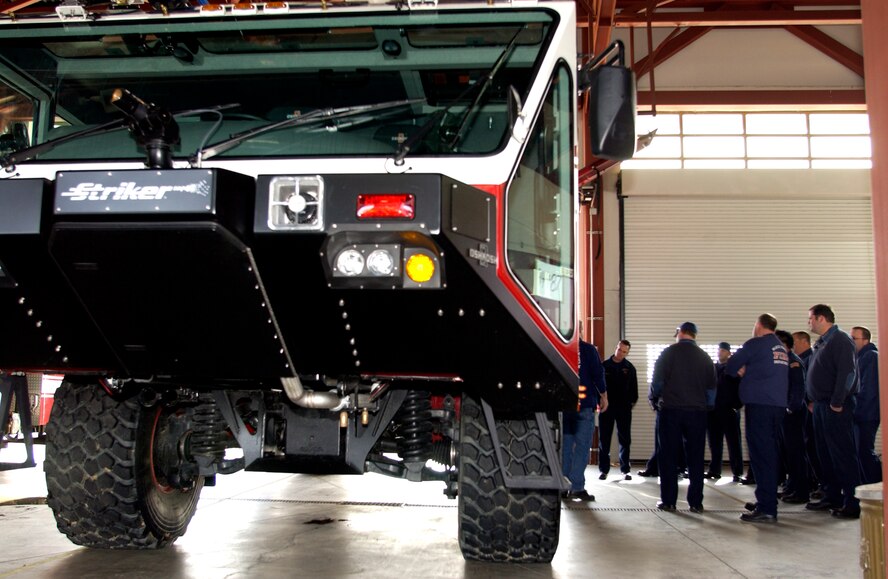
(488, 80)
(407, 146)
(316, 116)
(30, 152)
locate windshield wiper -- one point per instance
(29, 153)
(408, 145)
(313, 117)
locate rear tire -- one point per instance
(497, 523)
(106, 486)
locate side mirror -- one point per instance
(612, 104)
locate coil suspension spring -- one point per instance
(415, 427)
(209, 433)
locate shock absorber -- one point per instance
(415, 427)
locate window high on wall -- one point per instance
(754, 140)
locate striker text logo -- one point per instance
(129, 191)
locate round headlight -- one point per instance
(350, 262)
(380, 262)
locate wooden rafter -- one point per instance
(830, 47)
(726, 99)
(669, 48)
(14, 6)
(734, 18)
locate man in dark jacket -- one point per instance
(801, 345)
(684, 384)
(763, 363)
(866, 415)
(831, 385)
(723, 421)
(797, 488)
(579, 425)
(622, 394)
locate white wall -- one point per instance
(748, 59)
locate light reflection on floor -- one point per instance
(272, 524)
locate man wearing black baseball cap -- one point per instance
(684, 384)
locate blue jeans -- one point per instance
(838, 455)
(578, 428)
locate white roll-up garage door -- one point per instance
(720, 261)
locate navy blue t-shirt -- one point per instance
(767, 371)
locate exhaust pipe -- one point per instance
(297, 394)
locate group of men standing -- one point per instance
(811, 415)
(778, 390)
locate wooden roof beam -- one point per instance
(641, 5)
(734, 18)
(764, 99)
(667, 49)
(17, 6)
(830, 47)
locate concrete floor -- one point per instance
(290, 525)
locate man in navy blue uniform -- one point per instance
(684, 384)
(723, 421)
(579, 425)
(831, 386)
(763, 364)
(866, 415)
(801, 345)
(622, 394)
(797, 488)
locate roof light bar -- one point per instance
(244, 8)
(276, 8)
(212, 9)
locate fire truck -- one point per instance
(308, 237)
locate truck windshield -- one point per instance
(275, 69)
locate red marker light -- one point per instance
(386, 206)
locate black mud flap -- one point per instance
(554, 480)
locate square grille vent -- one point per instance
(296, 203)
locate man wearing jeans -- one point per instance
(579, 425)
(831, 385)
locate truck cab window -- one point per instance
(539, 238)
(16, 120)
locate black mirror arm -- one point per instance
(615, 54)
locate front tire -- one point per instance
(497, 523)
(107, 475)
